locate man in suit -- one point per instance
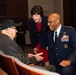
(62, 50)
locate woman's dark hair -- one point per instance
(37, 9)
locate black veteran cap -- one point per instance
(8, 23)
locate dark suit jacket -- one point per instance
(9, 47)
(65, 47)
(36, 36)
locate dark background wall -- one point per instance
(69, 12)
(19, 9)
(14, 9)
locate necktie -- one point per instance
(55, 36)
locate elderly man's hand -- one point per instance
(39, 57)
(30, 55)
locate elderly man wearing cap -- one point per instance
(10, 47)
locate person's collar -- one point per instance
(58, 30)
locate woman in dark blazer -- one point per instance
(38, 32)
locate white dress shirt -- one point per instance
(58, 32)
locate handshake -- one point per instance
(37, 56)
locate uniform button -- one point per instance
(56, 48)
(44, 30)
(56, 53)
(38, 34)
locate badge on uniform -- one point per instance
(65, 46)
(65, 37)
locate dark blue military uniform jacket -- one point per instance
(36, 36)
(65, 48)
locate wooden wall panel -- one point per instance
(17, 8)
(69, 12)
(14, 9)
